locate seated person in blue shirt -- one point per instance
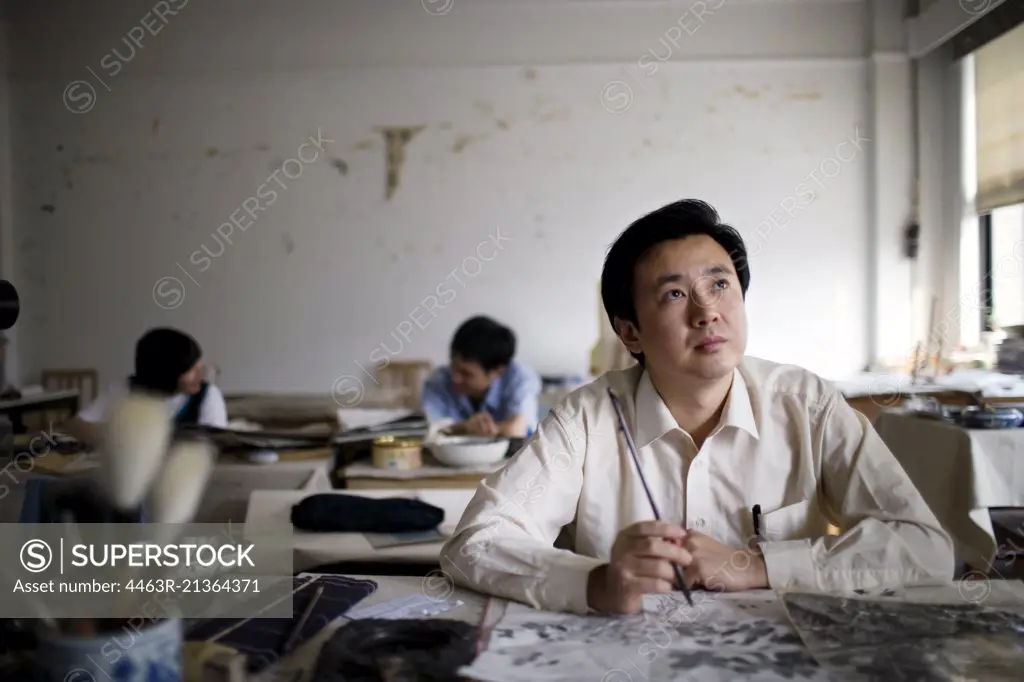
(484, 391)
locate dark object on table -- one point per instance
(1008, 529)
(991, 418)
(263, 640)
(339, 513)
(373, 650)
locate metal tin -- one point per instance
(392, 452)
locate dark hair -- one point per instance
(481, 339)
(678, 220)
(162, 355)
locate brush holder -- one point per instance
(127, 654)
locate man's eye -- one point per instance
(722, 284)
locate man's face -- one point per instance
(191, 381)
(692, 322)
(470, 378)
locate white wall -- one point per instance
(755, 112)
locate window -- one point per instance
(1002, 267)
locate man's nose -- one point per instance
(703, 315)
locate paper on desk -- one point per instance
(358, 418)
(384, 540)
(414, 606)
(720, 638)
(891, 639)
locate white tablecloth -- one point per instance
(961, 473)
(270, 511)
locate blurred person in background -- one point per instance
(483, 390)
(168, 364)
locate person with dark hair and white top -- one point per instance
(168, 363)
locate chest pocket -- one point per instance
(793, 522)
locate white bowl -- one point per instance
(467, 451)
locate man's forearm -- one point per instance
(515, 427)
(869, 556)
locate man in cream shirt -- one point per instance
(566, 525)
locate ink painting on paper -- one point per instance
(864, 639)
(723, 637)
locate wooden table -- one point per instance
(362, 475)
(39, 402)
(270, 510)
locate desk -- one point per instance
(961, 473)
(1003, 594)
(227, 493)
(52, 400)
(271, 510)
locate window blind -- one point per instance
(999, 109)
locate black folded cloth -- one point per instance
(336, 513)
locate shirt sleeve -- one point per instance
(524, 397)
(504, 543)
(96, 411)
(437, 398)
(890, 537)
(214, 410)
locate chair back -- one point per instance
(405, 378)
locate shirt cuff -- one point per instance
(789, 564)
(564, 587)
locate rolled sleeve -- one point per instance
(789, 564)
(890, 538)
(504, 543)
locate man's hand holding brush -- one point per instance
(643, 561)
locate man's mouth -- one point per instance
(711, 344)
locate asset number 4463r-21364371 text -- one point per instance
(194, 585)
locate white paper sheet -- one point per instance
(720, 638)
(357, 418)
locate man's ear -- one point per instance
(629, 334)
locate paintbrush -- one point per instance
(137, 434)
(178, 488)
(680, 578)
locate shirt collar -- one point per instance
(654, 420)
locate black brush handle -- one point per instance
(680, 577)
